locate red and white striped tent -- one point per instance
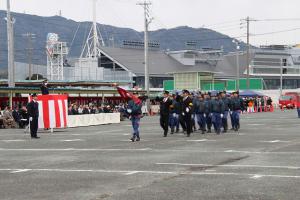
(53, 111)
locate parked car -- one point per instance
(289, 100)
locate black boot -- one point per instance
(165, 133)
(172, 130)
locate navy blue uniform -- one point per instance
(237, 105)
(207, 103)
(33, 112)
(200, 110)
(174, 116)
(226, 102)
(44, 90)
(217, 109)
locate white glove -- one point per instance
(222, 115)
(204, 115)
(211, 114)
(183, 114)
(187, 110)
(231, 112)
(174, 114)
(30, 119)
(129, 111)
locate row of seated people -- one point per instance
(17, 118)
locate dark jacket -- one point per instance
(187, 103)
(165, 106)
(237, 104)
(226, 102)
(207, 103)
(33, 109)
(217, 106)
(44, 90)
(136, 109)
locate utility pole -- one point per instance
(10, 54)
(29, 49)
(281, 63)
(237, 84)
(248, 51)
(147, 21)
(10, 47)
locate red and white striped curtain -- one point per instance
(53, 111)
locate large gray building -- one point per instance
(188, 68)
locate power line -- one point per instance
(275, 32)
(279, 19)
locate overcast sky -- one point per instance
(221, 15)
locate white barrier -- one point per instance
(93, 119)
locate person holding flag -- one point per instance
(134, 111)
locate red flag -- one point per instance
(127, 95)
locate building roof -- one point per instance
(160, 63)
(228, 66)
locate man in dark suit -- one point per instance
(44, 88)
(187, 105)
(33, 112)
(165, 105)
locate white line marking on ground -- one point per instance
(126, 134)
(255, 124)
(203, 140)
(234, 166)
(275, 141)
(19, 171)
(12, 140)
(72, 149)
(157, 150)
(131, 173)
(257, 176)
(152, 172)
(72, 140)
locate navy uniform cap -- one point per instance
(166, 92)
(185, 91)
(34, 95)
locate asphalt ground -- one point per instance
(261, 161)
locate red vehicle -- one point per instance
(289, 100)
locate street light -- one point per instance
(237, 84)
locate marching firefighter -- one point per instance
(208, 115)
(200, 113)
(217, 109)
(237, 106)
(187, 111)
(165, 106)
(226, 102)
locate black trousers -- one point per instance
(164, 123)
(34, 126)
(188, 123)
(182, 123)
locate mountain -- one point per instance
(74, 33)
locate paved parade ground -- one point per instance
(261, 161)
